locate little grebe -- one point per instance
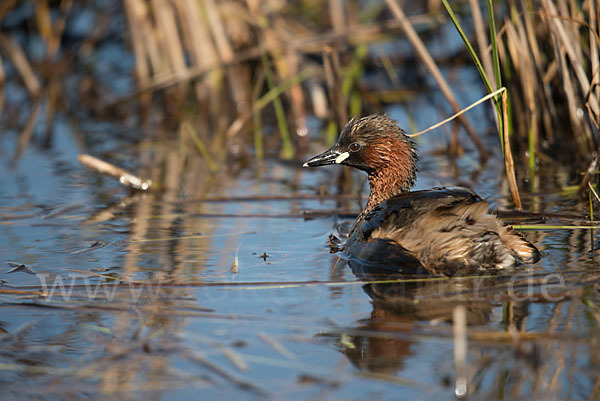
(440, 230)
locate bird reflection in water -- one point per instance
(411, 306)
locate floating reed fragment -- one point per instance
(123, 176)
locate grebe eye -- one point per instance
(355, 147)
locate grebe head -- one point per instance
(375, 144)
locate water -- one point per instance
(324, 335)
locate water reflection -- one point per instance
(381, 343)
(513, 322)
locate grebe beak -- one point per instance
(331, 156)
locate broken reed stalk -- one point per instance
(447, 120)
(123, 176)
(508, 158)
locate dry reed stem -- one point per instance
(426, 58)
(198, 42)
(136, 12)
(224, 49)
(133, 15)
(538, 64)
(171, 43)
(567, 43)
(481, 37)
(333, 73)
(338, 17)
(508, 159)
(594, 50)
(223, 46)
(296, 95)
(529, 83)
(314, 44)
(569, 88)
(51, 33)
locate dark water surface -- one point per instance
(163, 333)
